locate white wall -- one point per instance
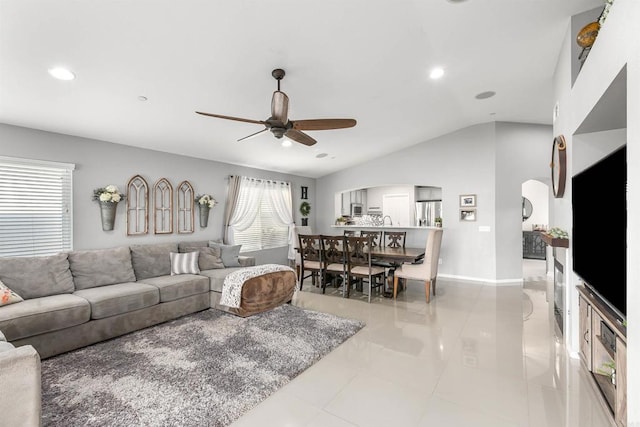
(617, 46)
(489, 160)
(101, 163)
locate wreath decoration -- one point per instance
(305, 208)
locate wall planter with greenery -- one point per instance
(305, 209)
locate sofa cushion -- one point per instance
(111, 300)
(184, 263)
(40, 315)
(152, 260)
(7, 296)
(228, 253)
(101, 267)
(246, 261)
(209, 257)
(37, 276)
(216, 277)
(186, 246)
(175, 287)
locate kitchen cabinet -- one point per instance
(354, 196)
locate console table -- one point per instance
(603, 352)
(533, 246)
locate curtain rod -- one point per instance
(264, 180)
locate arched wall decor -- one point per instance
(137, 206)
(162, 207)
(185, 207)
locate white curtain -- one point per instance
(251, 192)
(279, 194)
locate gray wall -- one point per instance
(490, 160)
(523, 152)
(100, 163)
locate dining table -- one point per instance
(395, 257)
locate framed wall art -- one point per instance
(467, 214)
(137, 206)
(467, 200)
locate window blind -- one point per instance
(266, 231)
(35, 207)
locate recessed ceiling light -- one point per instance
(142, 98)
(485, 95)
(61, 73)
(286, 143)
(436, 73)
(321, 155)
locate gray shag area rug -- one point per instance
(204, 369)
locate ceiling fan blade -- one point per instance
(323, 124)
(253, 134)
(238, 119)
(300, 137)
(280, 107)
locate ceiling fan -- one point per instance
(279, 123)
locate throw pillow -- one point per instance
(209, 258)
(184, 263)
(7, 296)
(228, 253)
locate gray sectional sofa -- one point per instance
(20, 385)
(79, 298)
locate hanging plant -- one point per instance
(305, 208)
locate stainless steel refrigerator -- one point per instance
(427, 211)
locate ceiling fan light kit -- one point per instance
(280, 125)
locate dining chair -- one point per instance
(427, 271)
(359, 265)
(394, 239)
(310, 247)
(376, 237)
(350, 233)
(333, 259)
(299, 229)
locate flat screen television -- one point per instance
(599, 238)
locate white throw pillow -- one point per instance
(184, 263)
(7, 296)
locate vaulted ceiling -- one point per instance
(144, 67)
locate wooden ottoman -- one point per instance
(263, 293)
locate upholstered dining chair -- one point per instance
(333, 258)
(299, 229)
(359, 265)
(394, 239)
(427, 271)
(310, 248)
(376, 236)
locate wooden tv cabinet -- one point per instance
(603, 352)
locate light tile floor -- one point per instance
(477, 355)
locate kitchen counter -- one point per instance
(380, 227)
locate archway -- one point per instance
(535, 218)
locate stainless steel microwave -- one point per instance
(356, 209)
